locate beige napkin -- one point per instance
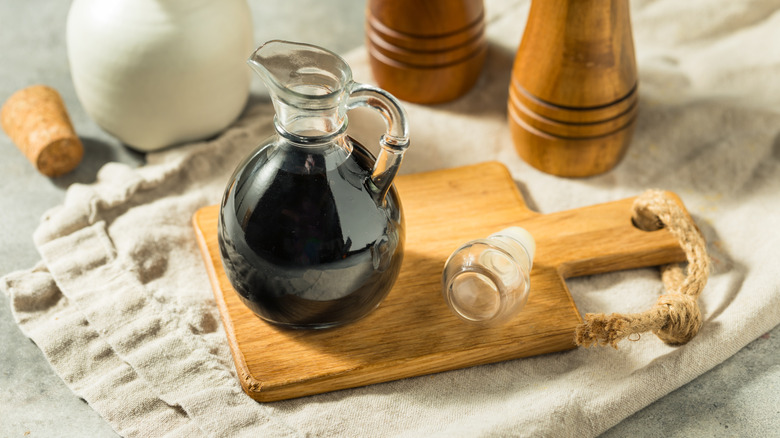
(122, 308)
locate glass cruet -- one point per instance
(311, 230)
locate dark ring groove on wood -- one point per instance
(382, 28)
(552, 105)
(377, 39)
(513, 100)
(523, 124)
(390, 61)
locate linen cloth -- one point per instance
(121, 305)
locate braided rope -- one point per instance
(676, 317)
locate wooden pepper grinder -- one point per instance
(428, 51)
(573, 96)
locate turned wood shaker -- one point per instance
(573, 95)
(428, 51)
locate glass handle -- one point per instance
(394, 141)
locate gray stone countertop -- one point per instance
(737, 398)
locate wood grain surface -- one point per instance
(412, 332)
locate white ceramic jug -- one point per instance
(155, 73)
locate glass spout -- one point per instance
(312, 89)
(309, 86)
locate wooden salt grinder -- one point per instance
(428, 51)
(573, 96)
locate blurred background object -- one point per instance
(426, 52)
(155, 73)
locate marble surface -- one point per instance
(737, 398)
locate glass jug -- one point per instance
(311, 230)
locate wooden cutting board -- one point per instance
(413, 332)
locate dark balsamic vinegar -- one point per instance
(304, 240)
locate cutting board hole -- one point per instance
(646, 223)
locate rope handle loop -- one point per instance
(676, 317)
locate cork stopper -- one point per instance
(36, 120)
